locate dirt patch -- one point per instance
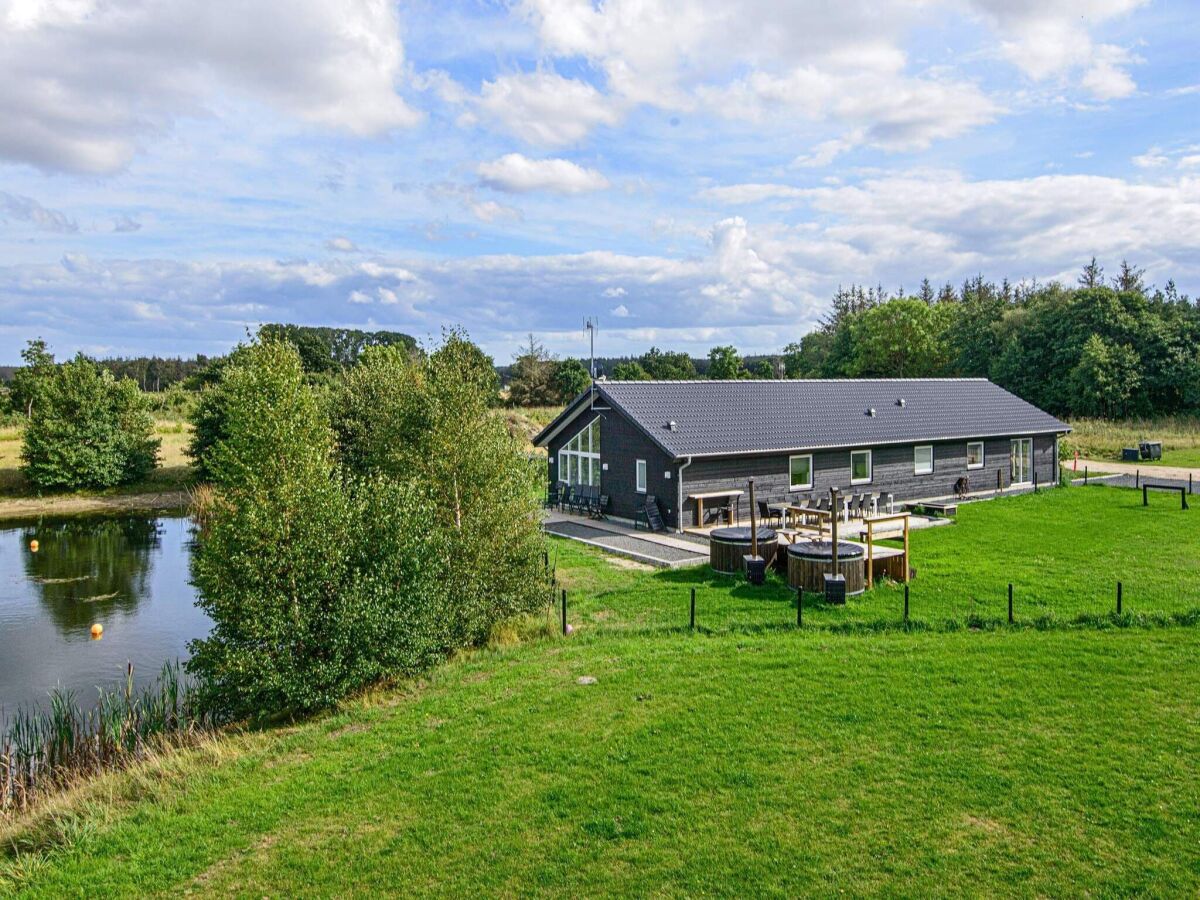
(621, 562)
(72, 505)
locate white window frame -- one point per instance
(917, 470)
(801, 487)
(572, 464)
(870, 467)
(640, 476)
(982, 454)
(1028, 480)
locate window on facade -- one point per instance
(975, 455)
(860, 466)
(641, 476)
(923, 459)
(579, 459)
(800, 472)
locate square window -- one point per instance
(800, 472)
(975, 455)
(923, 460)
(860, 466)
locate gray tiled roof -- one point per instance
(737, 417)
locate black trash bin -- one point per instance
(1130, 454)
(1151, 449)
(835, 589)
(756, 569)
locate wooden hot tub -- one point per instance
(809, 563)
(727, 546)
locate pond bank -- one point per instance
(17, 508)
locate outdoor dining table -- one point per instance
(698, 499)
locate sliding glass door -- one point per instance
(1021, 461)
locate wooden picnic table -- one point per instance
(699, 499)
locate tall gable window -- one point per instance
(579, 458)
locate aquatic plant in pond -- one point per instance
(44, 750)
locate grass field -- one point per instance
(1102, 439)
(741, 759)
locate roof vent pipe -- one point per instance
(901, 403)
(871, 412)
(671, 426)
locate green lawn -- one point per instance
(751, 758)
(1063, 550)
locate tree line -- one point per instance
(1108, 347)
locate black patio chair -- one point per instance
(566, 498)
(602, 506)
(768, 515)
(551, 501)
(650, 515)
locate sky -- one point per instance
(689, 172)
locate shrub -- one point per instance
(87, 430)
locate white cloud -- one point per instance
(14, 207)
(615, 292)
(620, 311)
(518, 174)
(87, 82)
(491, 211)
(1189, 162)
(341, 245)
(544, 108)
(125, 224)
(1184, 90)
(1153, 158)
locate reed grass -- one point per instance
(45, 750)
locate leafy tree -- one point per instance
(724, 363)
(570, 379)
(327, 350)
(87, 430)
(27, 380)
(663, 365)
(630, 371)
(1105, 378)
(532, 380)
(762, 368)
(272, 560)
(901, 339)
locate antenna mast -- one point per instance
(590, 324)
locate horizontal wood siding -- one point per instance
(621, 444)
(892, 472)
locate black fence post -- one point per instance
(1035, 481)
(905, 604)
(564, 610)
(800, 606)
(1145, 497)
(1189, 482)
(1137, 478)
(1085, 476)
(1119, 597)
(693, 616)
(1010, 611)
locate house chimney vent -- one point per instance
(901, 403)
(871, 412)
(671, 426)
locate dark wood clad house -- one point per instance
(912, 438)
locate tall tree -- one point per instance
(724, 363)
(531, 382)
(1092, 275)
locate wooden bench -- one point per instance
(945, 509)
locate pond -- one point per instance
(129, 575)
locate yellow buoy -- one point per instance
(97, 630)
(33, 546)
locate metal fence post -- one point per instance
(1010, 608)
(1119, 598)
(564, 610)
(800, 606)
(693, 616)
(906, 604)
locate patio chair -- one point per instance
(602, 507)
(650, 515)
(873, 499)
(766, 514)
(551, 500)
(564, 497)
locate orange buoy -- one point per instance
(33, 546)
(97, 630)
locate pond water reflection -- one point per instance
(128, 574)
